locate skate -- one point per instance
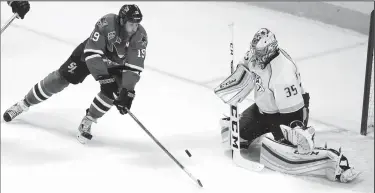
(15, 110)
(343, 173)
(84, 129)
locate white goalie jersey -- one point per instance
(277, 87)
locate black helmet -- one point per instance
(130, 12)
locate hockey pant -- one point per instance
(253, 123)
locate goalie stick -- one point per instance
(9, 22)
(235, 126)
(164, 149)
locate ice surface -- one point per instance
(188, 54)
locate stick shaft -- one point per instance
(9, 22)
(164, 149)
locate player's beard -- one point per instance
(131, 33)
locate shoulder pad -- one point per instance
(107, 22)
(282, 66)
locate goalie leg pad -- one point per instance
(320, 162)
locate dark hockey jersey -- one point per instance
(109, 46)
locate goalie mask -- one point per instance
(263, 47)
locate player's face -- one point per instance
(131, 27)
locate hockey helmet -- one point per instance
(130, 12)
(264, 46)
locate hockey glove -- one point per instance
(108, 85)
(124, 100)
(20, 7)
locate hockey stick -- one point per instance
(164, 149)
(235, 127)
(9, 22)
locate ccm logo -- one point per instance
(228, 83)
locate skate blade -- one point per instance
(82, 139)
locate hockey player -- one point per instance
(114, 55)
(282, 108)
(20, 7)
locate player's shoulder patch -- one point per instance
(107, 22)
(140, 39)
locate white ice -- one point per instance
(188, 55)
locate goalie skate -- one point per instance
(344, 173)
(15, 110)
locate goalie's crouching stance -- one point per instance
(282, 108)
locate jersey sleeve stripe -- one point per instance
(93, 51)
(92, 56)
(134, 67)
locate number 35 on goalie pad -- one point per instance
(237, 86)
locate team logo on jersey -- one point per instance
(72, 66)
(118, 40)
(143, 40)
(111, 35)
(102, 22)
(259, 84)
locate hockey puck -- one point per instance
(200, 183)
(187, 152)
